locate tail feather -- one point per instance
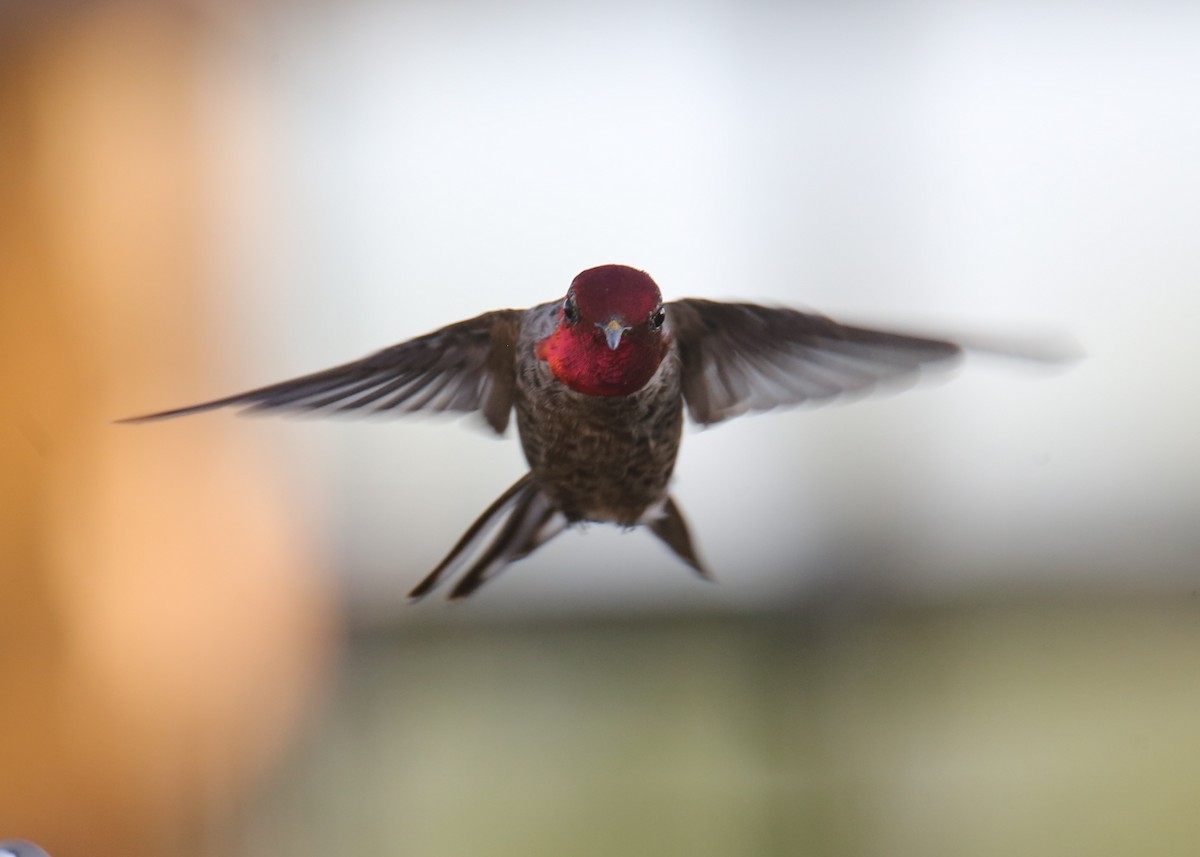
(529, 518)
(467, 542)
(534, 520)
(673, 530)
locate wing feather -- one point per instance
(741, 357)
(468, 366)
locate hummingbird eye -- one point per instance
(570, 311)
(656, 320)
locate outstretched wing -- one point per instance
(468, 366)
(743, 357)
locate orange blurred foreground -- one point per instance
(165, 623)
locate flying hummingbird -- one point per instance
(599, 380)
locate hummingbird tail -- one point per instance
(530, 520)
(673, 530)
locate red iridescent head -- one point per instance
(609, 340)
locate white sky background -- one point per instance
(945, 167)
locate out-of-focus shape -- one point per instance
(17, 848)
(163, 625)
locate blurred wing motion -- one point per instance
(466, 366)
(742, 357)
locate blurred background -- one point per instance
(963, 620)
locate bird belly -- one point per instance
(602, 459)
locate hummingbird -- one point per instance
(599, 381)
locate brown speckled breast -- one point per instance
(599, 458)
